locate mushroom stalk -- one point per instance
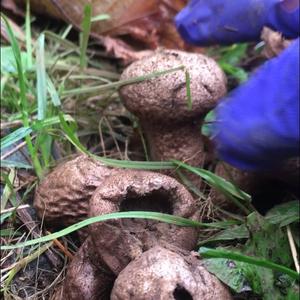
(171, 128)
(180, 141)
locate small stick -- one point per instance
(293, 248)
(57, 243)
(14, 208)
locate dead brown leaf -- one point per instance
(11, 5)
(275, 43)
(20, 35)
(136, 25)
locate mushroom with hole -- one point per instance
(113, 244)
(164, 274)
(122, 240)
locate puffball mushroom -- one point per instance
(162, 274)
(120, 241)
(113, 244)
(62, 198)
(263, 186)
(85, 280)
(172, 130)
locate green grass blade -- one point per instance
(224, 186)
(188, 90)
(4, 216)
(20, 133)
(21, 76)
(52, 92)
(213, 253)
(41, 86)
(8, 191)
(70, 135)
(9, 232)
(50, 121)
(28, 35)
(14, 164)
(139, 165)
(15, 136)
(86, 27)
(119, 215)
(57, 38)
(23, 98)
(120, 83)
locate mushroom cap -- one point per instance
(165, 97)
(162, 274)
(122, 240)
(62, 198)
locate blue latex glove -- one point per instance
(206, 22)
(257, 126)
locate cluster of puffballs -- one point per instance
(139, 258)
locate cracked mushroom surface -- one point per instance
(129, 238)
(162, 274)
(112, 244)
(62, 198)
(172, 130)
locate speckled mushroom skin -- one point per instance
(85, 280)
(62, 198)
(111, 245)
(162, 274)
(129, 238)
(172, 130)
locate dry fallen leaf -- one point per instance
(20, 35)
(11, 6)
(275, 43)
(134, 25)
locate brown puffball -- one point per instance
(163, 274)
(122, 240)
(262, 185)
(246, 181)
(171, 128)
(112, 244)
(85, 280)
(62, 198)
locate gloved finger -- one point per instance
(257, 125)
(204, 22)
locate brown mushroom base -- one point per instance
(163, 274)
(122, 240)
(85, 280)
(111, 245)
(267, 188)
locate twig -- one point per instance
(57, 243)
(14, 208)
(293, 248)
